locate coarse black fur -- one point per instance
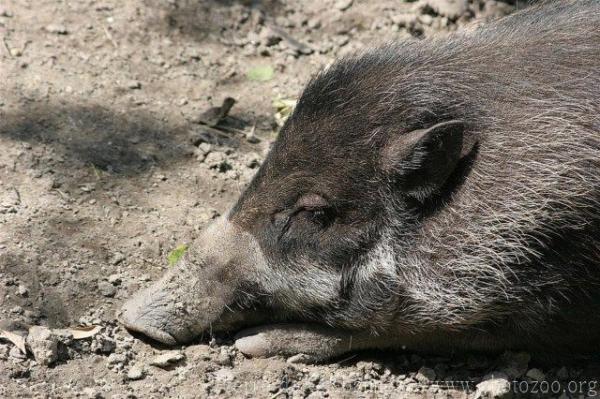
(441, 194)
(508, 246)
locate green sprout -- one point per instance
(176, 254)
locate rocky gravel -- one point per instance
(126, 127)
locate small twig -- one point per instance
(252, 130)
(96, 172)
(109, 36)
(277, 394)
(222, 130)
(18, 195)
(346, 359)
(63, 195)
(6, 46)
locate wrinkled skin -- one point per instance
(415, 199)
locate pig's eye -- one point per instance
(314, 208)
(321, 216)
(310, 208)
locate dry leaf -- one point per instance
(82, 332)
(16, 339)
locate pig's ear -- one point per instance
(422, 160)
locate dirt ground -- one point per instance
(105, 169)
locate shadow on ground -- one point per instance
(69, 141)
(97, 163)
(198, 19)
(121, 143)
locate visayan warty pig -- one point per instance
(437, 195)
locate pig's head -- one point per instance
(363, 160)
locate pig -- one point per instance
(437, 195)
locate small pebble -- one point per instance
(17, 310)
(117, 358)
(43, 345)
(535, 374)
(134, 85)
(494, 386)
(16, 354)
(300, 358)
(56, 29)
(343, 5)
(135, 373)
(118, 257)
(107, 289)
(114, 279)
(425, 375)
(515, 364)
(167, 359)
(22, 290)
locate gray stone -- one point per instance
(426, 19)
(92, 393)
(57, 29)
(425, 375)
(135, 373)
(133, 85)
(314, 23)
(536, 374)
(22, 290)
(300, 358)
(5, 13)
(117, 258)
(224, 358)
(224, 376)
(268, 36)
(114, 279)
(16, 354)
(314, 378)
(515, 364)
(103, 344)
(562, 373)
(447, 8)
(107, 289)
(117, 358)
(343, 5)
(494, 386)
(43, 345)
(494, 10)
(167, 359)
(219, 161)
(4, 351)
(17, 310)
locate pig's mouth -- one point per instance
(149, 331)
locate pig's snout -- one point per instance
(147, 314)
(197, 295)
(180, 306)
(153, 312)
